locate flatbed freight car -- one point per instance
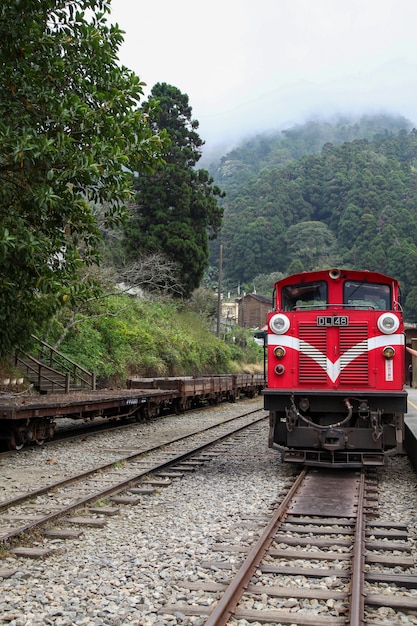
(27, 419)
(31, 419)
(196, 390)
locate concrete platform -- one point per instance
(411, 427)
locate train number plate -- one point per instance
(333, 320)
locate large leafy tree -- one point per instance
(259, 243)
(177, 208)
(312, 242)
(70, 128)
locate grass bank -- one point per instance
(141, 338)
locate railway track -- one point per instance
(322, 547)
(71, 431)
(122, 481)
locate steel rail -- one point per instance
(357, 603)
(228, 602)
(125, 483)
(127, 457)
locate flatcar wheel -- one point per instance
(16, 441)
(39, 442)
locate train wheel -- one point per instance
(39, 442)
(16, 441)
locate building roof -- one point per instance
(256, 296)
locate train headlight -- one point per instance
(388, 352)
(279, 352)
(279, 323)
(388, 323)
(279, 369)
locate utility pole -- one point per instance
(219, 291)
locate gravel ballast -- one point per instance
(124, 573)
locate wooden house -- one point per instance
(253, 310)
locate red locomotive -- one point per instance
(336, 368)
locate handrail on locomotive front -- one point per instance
(318, 307)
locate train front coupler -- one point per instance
(375, 420)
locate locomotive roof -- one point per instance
(359, 275)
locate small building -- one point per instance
(411, 342)
(253, 310)
(229, 312)
(410, 334)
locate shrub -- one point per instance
(139, 338)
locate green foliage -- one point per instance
(264, 283)
(203, 302)
(277, 149)
(70, 127)
(295, 267)
(176, 206)
(313, 243)
(410, 308)
(243, 346)
(148, 339)
(353, 205)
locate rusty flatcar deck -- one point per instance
(80, 404)
(25, 419)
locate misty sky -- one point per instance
(249, 66)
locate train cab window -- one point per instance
(364, 295)
(304, 296)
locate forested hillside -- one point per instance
(352, 205)
(277, 149)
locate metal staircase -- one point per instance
(50, 371)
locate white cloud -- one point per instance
(250, 66)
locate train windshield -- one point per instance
(304, 296)
(363, 295)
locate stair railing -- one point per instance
(52, 366)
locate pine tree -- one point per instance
(177, 209)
